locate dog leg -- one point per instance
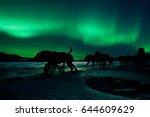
(62, 67)
(99, 64)
(87, 63)
(70, 65)
(58, 67)
(74, 67)
(109, 64)
(93, 62)
(46, 68)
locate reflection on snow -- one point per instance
(57, 85)
(32, 69)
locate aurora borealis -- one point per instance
(113, 26)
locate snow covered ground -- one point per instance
(25, 80)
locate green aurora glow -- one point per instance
(105, 23)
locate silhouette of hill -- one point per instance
(12, 58)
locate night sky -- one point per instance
(117, 27)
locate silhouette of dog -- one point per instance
(100, 58)
(104, 59)
(132, 60)
(125, 60)
(54, 58)
(91, 58)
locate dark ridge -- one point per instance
(12, 58)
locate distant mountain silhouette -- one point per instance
(11, 58)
